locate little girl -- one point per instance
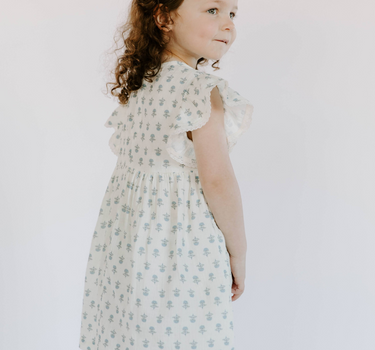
(169, 246)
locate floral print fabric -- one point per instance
(158, 274)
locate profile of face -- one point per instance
(202, 28)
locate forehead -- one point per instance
(191, 6)
(223, 2)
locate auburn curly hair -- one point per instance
(144, 44)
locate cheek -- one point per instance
(204, 28)
(196, 36)
(198, 33)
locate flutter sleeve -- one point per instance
(115, 122)
(195, 111)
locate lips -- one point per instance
(223, 41)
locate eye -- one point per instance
(234, 15)
(212, 9)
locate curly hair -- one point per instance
(143, 46)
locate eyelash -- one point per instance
(214, 8)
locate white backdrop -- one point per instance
(306, 168)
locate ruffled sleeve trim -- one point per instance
(237, 116)
(195, 112)
(116, 123)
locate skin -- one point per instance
(197, 27)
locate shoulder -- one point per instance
(202, 87)
(204, 79)
(188, 76)
(187, 79)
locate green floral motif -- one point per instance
(158, 274)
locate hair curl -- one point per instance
(144, 45)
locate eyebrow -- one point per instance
(221, 1)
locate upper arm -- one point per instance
(210, 145)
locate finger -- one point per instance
(237, 292)
(235, 297)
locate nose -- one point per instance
(228, 24)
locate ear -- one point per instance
(162, 19)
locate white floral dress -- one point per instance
(158, 273)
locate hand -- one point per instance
(238, 267)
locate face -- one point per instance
(200, 27)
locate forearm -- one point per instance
(225, 203)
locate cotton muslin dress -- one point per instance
(158, 273)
